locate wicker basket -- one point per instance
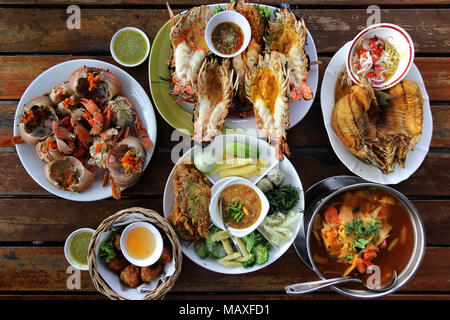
(163, 287)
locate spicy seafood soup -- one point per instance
(359, 228)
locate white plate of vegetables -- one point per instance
(281, 185)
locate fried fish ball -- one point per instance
(166, 255)
(118, 262)
(130, 276)
(151, 273)
(117, 241)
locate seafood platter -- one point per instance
(84, 130)
(235, 207)
(234, 203)
(379, 128)
(269, 86)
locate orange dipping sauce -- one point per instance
(140, 243)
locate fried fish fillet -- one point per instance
(383, 128)
(190, 214)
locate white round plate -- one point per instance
(354, 164)
(187, 247)
(60, 73)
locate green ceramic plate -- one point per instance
(173, 113)
(179, 115)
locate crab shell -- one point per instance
(116, 172)
(122, 111)
(105, 89)
(61, 109)
(60, 92)
(44, 129)
(45, 152)
(55, 172)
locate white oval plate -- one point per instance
(187, 247)
(355, 165)
(60, 73)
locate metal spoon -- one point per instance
(306, 287)
(228, 228)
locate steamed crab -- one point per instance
(35, 123)
(69, 174)
(125, 164)
(94, 84)
(89, 129)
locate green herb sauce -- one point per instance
(78, 247)
(130, 46)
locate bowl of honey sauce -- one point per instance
(141, 244)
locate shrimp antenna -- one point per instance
(170, 12)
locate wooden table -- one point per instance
(34, 223)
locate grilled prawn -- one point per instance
(248, 59)
(214, 97)
(187, 38)
(287, 35)
(267, 87)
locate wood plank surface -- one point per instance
(310, 132)
(18, 71)
(44, 269)
(44, 30)
(193, 2)
(34, 223)
(203, 297)
(52, 220)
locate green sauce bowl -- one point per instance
(76, 248)
(129, 46)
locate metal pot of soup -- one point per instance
(360, 229)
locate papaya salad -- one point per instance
(376, 58)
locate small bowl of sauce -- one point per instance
(228, 34)
(76, 248)
(141, 244)
(130, 46)
(244, 205)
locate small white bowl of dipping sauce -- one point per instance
(130, 46)
(255, 205)
(141, 244)
(76, 248)
(363, 57)
(228, 34)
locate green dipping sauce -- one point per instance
(130, 46)
(78, 247)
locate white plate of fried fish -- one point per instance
(382, 136)
(200, 94)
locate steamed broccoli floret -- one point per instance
(261, 254)
(201, 249)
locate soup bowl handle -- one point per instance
(305, 287)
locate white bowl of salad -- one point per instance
(383, 53)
